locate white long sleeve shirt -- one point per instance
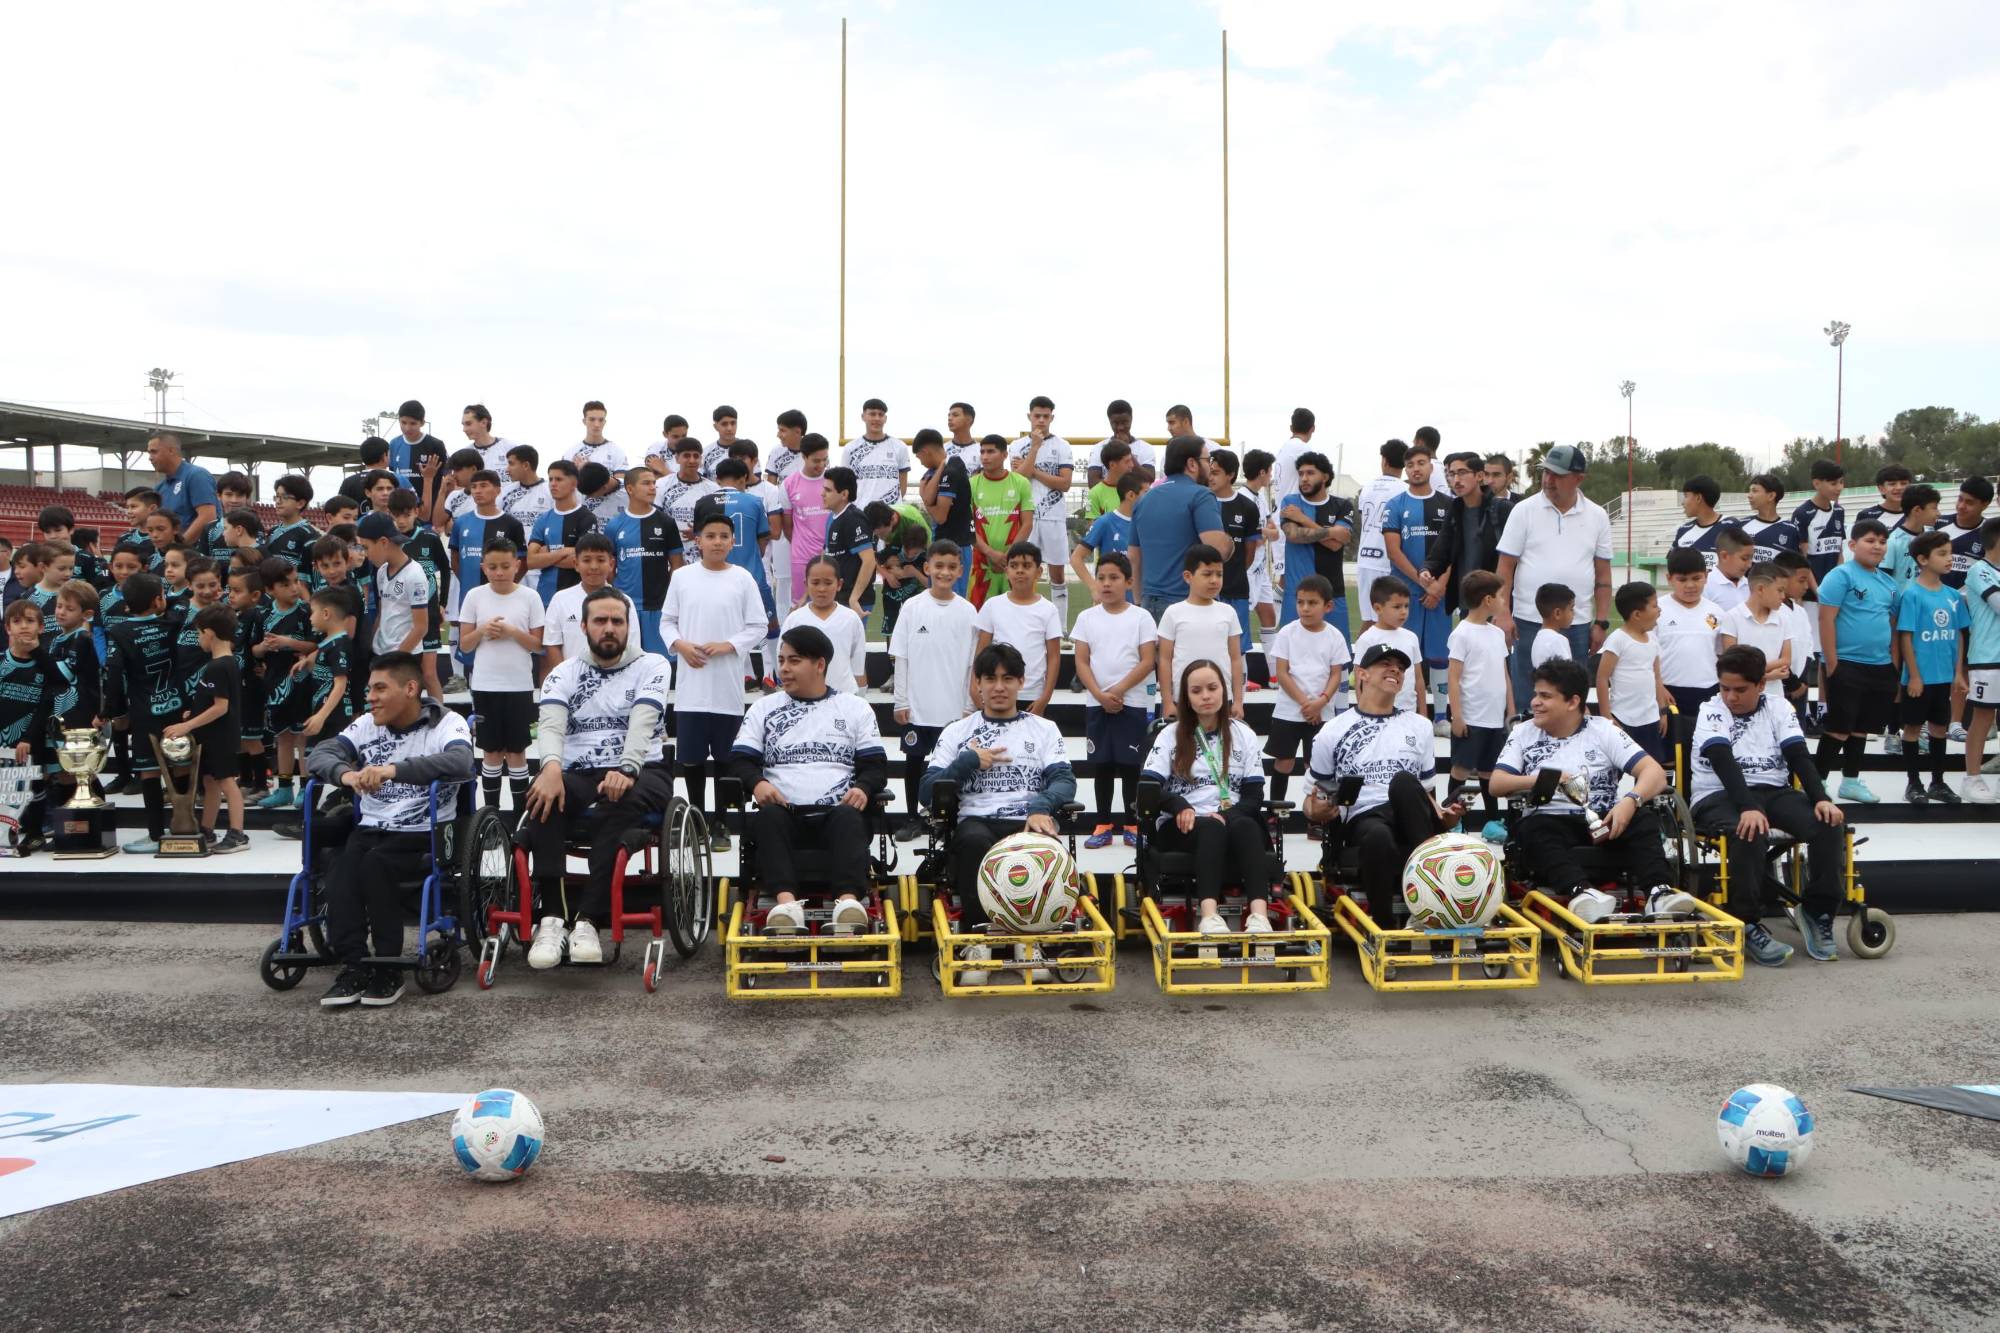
(712, 606)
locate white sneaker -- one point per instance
(849, 917)
(1254, 924)
(1211, 925)
(547, 949)
(976, 976)
(1991, 765)
(1026, 953)
(1592, 905)
(1957, 733)
(1667, 901)
(1979, 791)
(583, 943)
(785, 918)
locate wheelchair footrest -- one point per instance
(1506, 955)
(1633, 949)
(1080, 961)
(806, 966)
(1187, 962)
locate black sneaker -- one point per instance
(235, 840)
(346, 988)
(1915, 794)
(1942, 794)
(291, 829)
(384, 989)
(912, 829)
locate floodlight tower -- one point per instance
(1627, 388)
(159, 380)
(1836, 333)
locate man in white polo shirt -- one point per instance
(1558, 535)
(1371, 557)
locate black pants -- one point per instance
(547, 839)
(1553, 841)
(1230, 850)
(839, 834)
(971, 839)
(1792, 811)
(1385, 837)
(365, 886)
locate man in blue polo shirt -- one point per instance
(1171, 517)
(187, 491)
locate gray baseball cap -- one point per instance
(1565, 459)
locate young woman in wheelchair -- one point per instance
(1210, 768)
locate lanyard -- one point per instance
(1215, 769)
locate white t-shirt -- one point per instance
(1033, 745)
(1244, 766)
(878, 467)
(1724, 593)
(1689, 638)
(1144, 455)
(1285, 471)
(526, 504)
(562, 625)
(1374, 747)
(1634, 700)
(1549, 645)
(1054, 457)
(397, 597)
(1550, 546)
(1803, 626)
(499, 662)
(600, 702)
(1114, 641)
(404, 807)
(608, 453)
(1199, 633)
(1482, 680)
(1029, 629)
(932, 645)
(850, 643)
(1313, 659)
(1597, 751)
(712, 606)
(1771, 637)
(808, 747)
(1404, 639)
(1758, 741)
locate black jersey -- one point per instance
(847, 536)
(139, 672)
(1966, 549)
(334, 661)
(1243, 523)
(189, 655)
(29, 687)
(217, 681)
(75, 654)
(291, 541)
(211, 543)
(428, 550)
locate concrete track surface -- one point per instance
(1536, 1160)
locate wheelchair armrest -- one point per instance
(944, 799)
(729, 793)
(1279, 807)
(1069, 812)
(878, 804)
(1148, 800)
(1546, 782)
(1348, 790)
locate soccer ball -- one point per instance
(497, 1135)
(1453, 880)
(1027, 884)
(1765, 1130)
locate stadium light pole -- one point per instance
(841, 424)
(1627, 388)
(1227, 433)
(1836, 333)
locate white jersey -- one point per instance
(606, 507)
(850, 643)
(808, 747)
(967, 454)
(1029, 630)
(398, 597)
(1034, 746)
(1313, 661)
(1758, 741)
(1200, 788)
(562, 623)
(1369, 506)
(1405, 640)
(608, 453)
(1116, 640)
(494, 457)
(679, 498)
(1050, 502)
(780, 462)
(1374, 747)
(600, 701)
(713, 606)
(1598, 751)
(712, 455)
(1689, 639)
(404, 807)
(878, 467)
(526, 504)
(1144, 455)
(932, 645)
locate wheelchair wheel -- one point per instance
(276, 975)
(685, 876)
(484, 864)
(438, 968)
(1871, 932)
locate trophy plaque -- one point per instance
(85, 827)
(183, 830)
(17, 788)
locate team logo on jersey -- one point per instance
(1941, 618)
(1713, 623)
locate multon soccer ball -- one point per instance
(497, 1135)
(1765, 1130)
(1028, 884)
(1453, 880)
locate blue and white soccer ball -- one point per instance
(1765, 1130)
(497, 1135)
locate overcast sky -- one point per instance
(1478, 214)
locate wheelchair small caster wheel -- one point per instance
(1682, 963)
(489, 961)
(276, 975)
(649, 973)
(1871, 932)
(1494, 971)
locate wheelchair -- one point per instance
(1077, 958)
(1292, 956)
(1504, 954)
(468, 877)
(674, 866)
(816, 964)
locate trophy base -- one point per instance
(181, 844)
(84, 833)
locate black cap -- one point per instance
(1377, 651)
(375, 526)
(412, 408)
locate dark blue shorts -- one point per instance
(1118, 739)
(1478, 749)
(704, 737)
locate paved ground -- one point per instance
(1538, 1160)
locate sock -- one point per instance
(1280, 784)
(1128, 778)
(517, 782)
(1938, 746)
(1107, 778)
(1492, 805)
(1850, 755)
(156, 806)
(697, 785)
(1059, 594)
(1828, 757)
(489, 783)
(1913, 759)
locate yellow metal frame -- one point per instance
(1100, 960)
(741, 963)
(1599, 953)
(1794, 853)
(1107, 890)
(1171, 957)
(1513, 943)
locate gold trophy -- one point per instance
(183, 830)
(85, 828)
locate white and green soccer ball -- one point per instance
(1453, 880)
(1028, 884)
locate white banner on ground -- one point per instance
(64, 1141)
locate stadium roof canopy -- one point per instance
(23, 426)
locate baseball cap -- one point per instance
(1565, 459)
(1376, 652)
(375, 526)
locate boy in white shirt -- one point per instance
(1556, 604)
(713, 617)
(563, 634)
(499, 623)
(1761, 623)
(1116, 644)
(1480, 689)
(1630, 690)
(1389, 614)
(1029, 622)
(1689, 633)
(1200, 629)
(1727, 585)
(1308, 665)
(933, 649)
(1795, 569)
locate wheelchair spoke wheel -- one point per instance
(485, 868)
(437, 971)
(276, 975)
(689, 906)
